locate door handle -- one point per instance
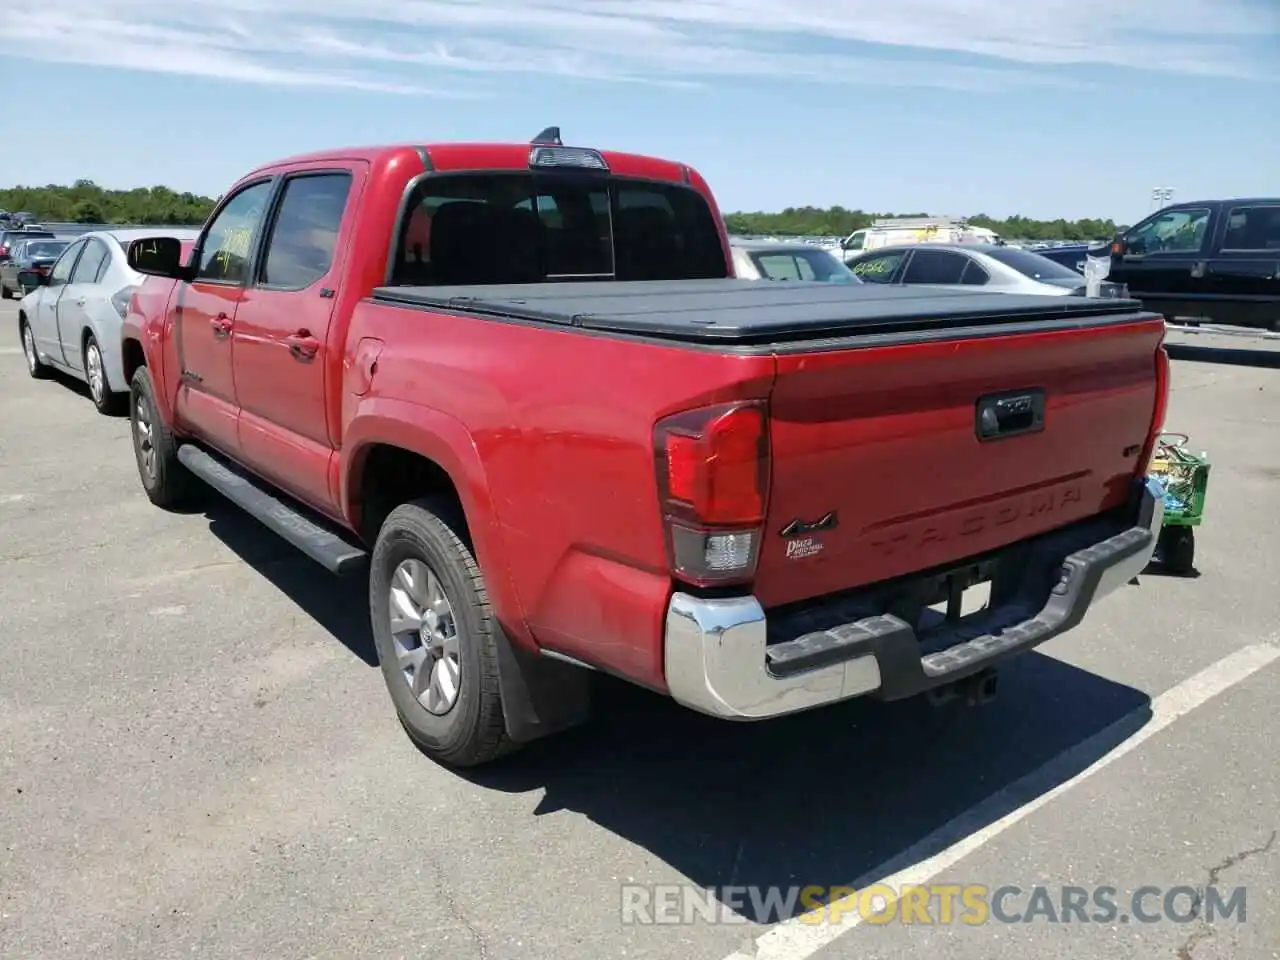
(302, 346)
(221, 326)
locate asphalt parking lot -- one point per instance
(198, 757)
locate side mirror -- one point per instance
(158, 257)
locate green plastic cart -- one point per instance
(1185, 476)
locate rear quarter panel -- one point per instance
(551, 434)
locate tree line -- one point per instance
(86, 202)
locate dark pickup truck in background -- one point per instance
(519, 385)
(1214, 260)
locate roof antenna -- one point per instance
(551, 136)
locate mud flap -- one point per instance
(540, 696)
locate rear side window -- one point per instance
(1033, 265)
(305, 230)
(1253, 228)
(935, 267)
(530, 228)
(974, 275)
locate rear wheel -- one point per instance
(5, 294)
(436, 636)
(95, 372)
(35, 368)
(164, 478)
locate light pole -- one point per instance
(1161, 197)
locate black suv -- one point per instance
(1216, 260)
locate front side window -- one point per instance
(531, 228)
(1174, 231)
(224, 255)
(61, 271)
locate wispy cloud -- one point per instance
(459, 47)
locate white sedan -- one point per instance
(71, 322)
(967, 265)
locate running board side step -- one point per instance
(321, 544)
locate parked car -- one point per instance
(519, 385)
(778, 260)
(1217, 260)
(28, 260)
(71, 321)
(11, 235)
(996, 268)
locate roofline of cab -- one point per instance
(379, 155)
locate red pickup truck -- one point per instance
(521, 387)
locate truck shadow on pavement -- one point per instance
(821, 798)
(339, 605)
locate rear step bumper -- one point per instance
(718, 659)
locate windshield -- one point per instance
(532, 228)
(801, 264)
(45, 248)
(1032, 264)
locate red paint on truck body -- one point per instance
(547, 433)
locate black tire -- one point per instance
(1177, 550)
(4, 292)
(473, 730)
(35, 368)
(108, 403)
(165, 480)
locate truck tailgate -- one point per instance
(879, 470)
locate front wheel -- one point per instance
(35, 368)
(165, 480)
(436, 636)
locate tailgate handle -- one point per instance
(1001, 415)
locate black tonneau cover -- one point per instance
(755, 311)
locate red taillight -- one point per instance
(713, 480)
(1161, 407)
(4, 249)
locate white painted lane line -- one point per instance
(802, 936)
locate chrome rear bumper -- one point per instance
(718, 660)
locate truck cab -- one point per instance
(1217, 260)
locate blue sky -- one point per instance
(1047, 108)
